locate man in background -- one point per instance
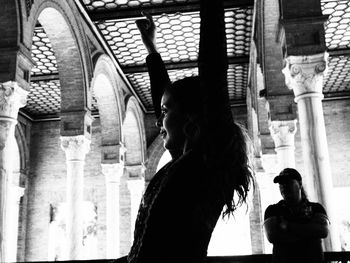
(295, 226)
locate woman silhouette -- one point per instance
(210, 164)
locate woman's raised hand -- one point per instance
(148, 32)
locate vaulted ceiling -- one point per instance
(178, 39)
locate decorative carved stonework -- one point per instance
(283, 133)
(29, 4)
(113, 172)
(304, 74)
(76, 147)
(12, 97)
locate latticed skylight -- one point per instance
(237, 75)
(178, 43)
(44, 98)
(338, 77)
(141, 83)
(177, 36)
(42, 54)
(338, 24)
(102, 5)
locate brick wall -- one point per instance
(336, 114)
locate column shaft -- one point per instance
(136, 187)
(113, 173)
(12, 97)
(14, 195)
(76, 148)
(5, 174)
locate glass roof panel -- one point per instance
(177, 36)
(338, 77)
(236, 75)
(44, 98)
(337, 26)
(43, 54)
(103, 5)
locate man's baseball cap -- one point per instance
(287, 174)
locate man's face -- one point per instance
(290, 190)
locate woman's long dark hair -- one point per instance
(230, 159)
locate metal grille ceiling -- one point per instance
(236, 75)
(178, 42)
(98, 5)
(337, 29)
(178, 38)
(44, 100)
(338, 78)
(43, 54)
(338, 23)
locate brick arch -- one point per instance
(109, 96)
(134, 135)
(71, 50)
(22, 147)
(155, 152)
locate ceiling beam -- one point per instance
(133, 12)
(45, 77)
(143, 68)
(182, 65)
(339, 52)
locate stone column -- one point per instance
(14, 195)
(76, 148)
(136, 186)
(283, 133)
(304, 74)
(12, 97)
(113, 173)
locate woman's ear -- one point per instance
(192, 131)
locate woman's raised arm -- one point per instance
(158, 75)
(213, 66)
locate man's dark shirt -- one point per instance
(306, 250)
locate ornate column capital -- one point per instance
(283, 133)
(75, 147)
(12, 97)
(112, 171)
(304, 74)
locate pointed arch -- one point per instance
(134, 133)
(108, 92)
(71, 51)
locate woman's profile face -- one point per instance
(171, 123)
